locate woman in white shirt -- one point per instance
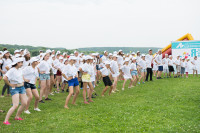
(126, 71)
(194, 63)
(86, 79)
(26, 58)
(64, 68)
(115, 68)
(14, 79)
(6, 61)
(44, 74)
(30, 74)
(71, 74)
(170, 65)
(183, 67)
(187, 67)
(134, 72)
(143, 66)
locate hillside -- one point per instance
(112, 49)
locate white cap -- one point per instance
(60, 58)
(115, 55)
(5, 52)
(17, 60)
(133, 53)
(107, 62)
(17, 55)
(16, 51)
(134, 58)
(143, 55)
(115, 52)
(21, 50)
(170, 56)
(178, 55)
(110, 54)
(33, 59)
(183, 58)
(58, 52)
(75, 52)
(84, 57)
(48, 51)
(127, 59)
(26, 52)
(52, 55)
(120, 50)
(104, 51)
(138, 51)
(72, 58)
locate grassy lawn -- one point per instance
(168, 105)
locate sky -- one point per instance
(98, 23)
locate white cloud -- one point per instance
(93, 23)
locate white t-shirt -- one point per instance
(148, 59)
(86, 68)
(44, 66)
(105, 71)
(159, 60)
(6, 62)
(170, 62)
(177, 62)
(30, 73)
(187, 66)
(15, 76)
(104, 58)
(142, 64)
(70, 70)
(182, 64)
(126, 70)
(115, 68)
(25, 63)
(133, 66)
(120, 60)
(165, 63)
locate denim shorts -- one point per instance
(160, 68)
(134, 73)
(29, 85)
(44, 76)
(17, 90)
(73, 82)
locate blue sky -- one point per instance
(93, 23)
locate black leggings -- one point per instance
(4, 89)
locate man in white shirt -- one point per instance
(178, 66)
(159, 61)
(149, 60)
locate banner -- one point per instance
(187, 49)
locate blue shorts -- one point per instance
(44, 76)
(29, 85)
(73, 82)
(134, 73)
(17, 90)
(160, 68)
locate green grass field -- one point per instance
(168, 105)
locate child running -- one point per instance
(106, 79)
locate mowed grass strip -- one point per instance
(167, 105)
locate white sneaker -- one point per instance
(37, 109)
(113, 92)
(51, 94)
(123, 89)
(27, 112)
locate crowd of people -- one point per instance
(52, 69)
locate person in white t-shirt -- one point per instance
(183, 66)
(170, 65)
(187, 66)
(165, 65)
(134, 72)
(126, 71)
(105, 74)
(143, 68)
(194, 67)
(14, 79)
(104, 57)
(44, 74)
(31, 74)
(115, 68)
(71, 74)
(159, 61)
(178, 66)
(155, 66)
(149, 60)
